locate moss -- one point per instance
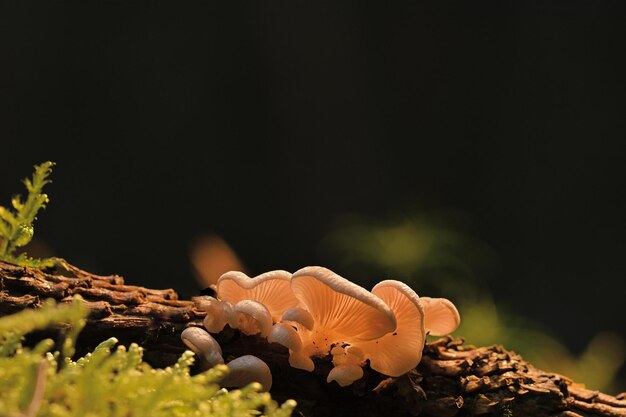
(110, 381)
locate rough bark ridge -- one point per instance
(452, 379)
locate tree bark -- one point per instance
(452, 379)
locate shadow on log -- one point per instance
(452, 380)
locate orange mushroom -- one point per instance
(398, 352)
(342, 313)
(272, 289)
(441, 316)
(316, 312)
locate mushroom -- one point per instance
(218, 313)
(301, 360)
(251, 317)
(286, 335)
(342, 313)
(347, 361)
(271, 289)
(345, 375)
(398, 352)
(245, 370)
(441, 316)
(300, 316)
(203, 345)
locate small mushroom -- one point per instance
(398, 352)
(301, 360)
(272, 289)
(218, 313)
(300, 316)
(345, 375)
(348, 361)
(245, 370)
(286, 335)
(441, 316)
(203, 345)
(251, 317)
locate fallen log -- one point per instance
(453, 379)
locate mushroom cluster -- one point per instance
(315, 312)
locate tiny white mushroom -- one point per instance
(218, 313)
(245, 370)
(441, 316)
(252, 317)
(284, 334)
(203, 345)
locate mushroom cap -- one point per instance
(203, 345)
(245, 370)
(345, 375)
(441, 316)
(396, 353)
(300, 316)
(271, 289)
(284, 334)
(251, 317)
(341, 307)
(218, 313)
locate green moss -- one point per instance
(110, 381)
(16, 224)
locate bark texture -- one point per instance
(452, 380)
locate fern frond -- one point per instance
(24, 260)
(16, 226)
(35, 200)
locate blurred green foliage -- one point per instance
(110, 381)
(437, 256)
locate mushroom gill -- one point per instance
(400, 351)
(333, 312)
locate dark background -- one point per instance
(264, 121)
